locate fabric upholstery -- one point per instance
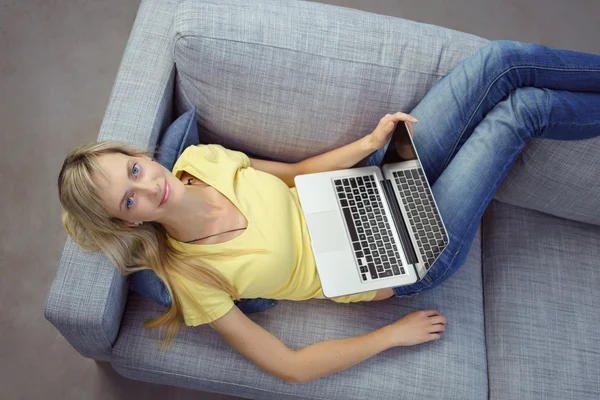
(558, 178)
(141, 102)
(290, 79)
(86, 301)
(542, 291)
(452, 368)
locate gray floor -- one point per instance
(58, 60)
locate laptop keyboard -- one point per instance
(424, 220)
(374, 246)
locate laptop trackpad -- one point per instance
(327, 232)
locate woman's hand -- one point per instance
(417, 327)
(386, 126)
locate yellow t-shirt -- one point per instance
(286, 271)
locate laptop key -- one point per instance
(372, 270)
(350, 224)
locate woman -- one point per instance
(223, 226)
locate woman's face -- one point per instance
(137, 189)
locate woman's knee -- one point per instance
(530, 107)
(525, 110)
(503, 52)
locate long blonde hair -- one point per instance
(130, 249)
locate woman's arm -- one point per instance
(324, 358)
(341, 158)
(349, 155)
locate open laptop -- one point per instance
(372, 228)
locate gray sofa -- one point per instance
(289, 79)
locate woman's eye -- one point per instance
(129, 201)
(135, 169)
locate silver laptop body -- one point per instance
(371, 228)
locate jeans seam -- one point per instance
(503, 73)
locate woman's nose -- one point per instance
(148, 187)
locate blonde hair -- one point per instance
(130, 249)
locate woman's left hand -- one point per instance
(386, 126)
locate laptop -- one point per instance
(372, 228)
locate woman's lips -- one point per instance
(166, 192)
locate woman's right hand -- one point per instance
(417, 327)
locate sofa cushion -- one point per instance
(179, 136)
(542, 291)
(290, 79)
(451, 368)
(558, 178)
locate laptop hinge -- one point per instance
(392, 200)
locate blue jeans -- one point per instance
(476, 121)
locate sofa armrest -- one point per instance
(86, 301)
(88, 295)
(141, 102)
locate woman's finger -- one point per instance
(400, 116)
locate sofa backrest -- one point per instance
(290, 79)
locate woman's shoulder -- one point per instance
(211, 155)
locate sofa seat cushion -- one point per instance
(451, 368)
(542, 297)
(291, 79)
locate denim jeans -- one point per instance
(476, 121)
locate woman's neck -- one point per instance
(194, 217)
